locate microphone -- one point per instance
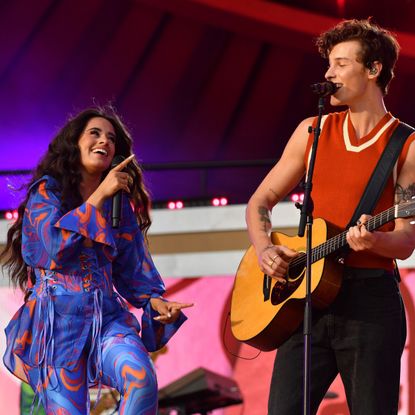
(324, 89)
(117, 198)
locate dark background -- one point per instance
(200, 83)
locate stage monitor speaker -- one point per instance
(200, 391)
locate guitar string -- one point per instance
(339, 240)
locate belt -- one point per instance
(352, 273)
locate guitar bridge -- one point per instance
(266, 287)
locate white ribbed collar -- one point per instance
(366, 144)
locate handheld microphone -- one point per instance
(324, 89)
(117, 198)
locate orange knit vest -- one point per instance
(343, 167)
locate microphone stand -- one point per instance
(306, 222)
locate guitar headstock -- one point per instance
(405, 209)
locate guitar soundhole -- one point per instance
(294, 277)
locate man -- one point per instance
(362, 334)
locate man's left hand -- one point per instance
(359, 238)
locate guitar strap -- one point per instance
(383, 169)
(380, 175)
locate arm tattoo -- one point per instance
(264, 217)
(402, 194)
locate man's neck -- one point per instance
(366, 116)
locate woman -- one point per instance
(74, 330)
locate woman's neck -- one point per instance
(88, 185)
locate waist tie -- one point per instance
(121, 301)
(94, 362)
(46, 343)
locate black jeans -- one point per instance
(361, 336)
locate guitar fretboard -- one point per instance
(339, 241)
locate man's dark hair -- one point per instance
(377, 45)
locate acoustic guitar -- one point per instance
(264, 312)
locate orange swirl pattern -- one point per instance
(61, 325)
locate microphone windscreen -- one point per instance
(324, 89)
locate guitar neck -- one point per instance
(339, 241)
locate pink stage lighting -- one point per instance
(223, 201)
(175, 205)
(215, 202)
(297, 197)
(219, 201)
(11, 215)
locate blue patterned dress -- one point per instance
(74, 330)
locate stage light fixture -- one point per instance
(178, 204)
(11, 214)
(219, 201)
(297, 197)
(223, 201)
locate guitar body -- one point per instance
(265, 313)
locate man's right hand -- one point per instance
(274, 261)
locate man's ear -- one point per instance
(375, 69)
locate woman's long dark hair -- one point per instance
(62, 161)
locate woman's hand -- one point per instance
(169, 310)
(114, 181)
